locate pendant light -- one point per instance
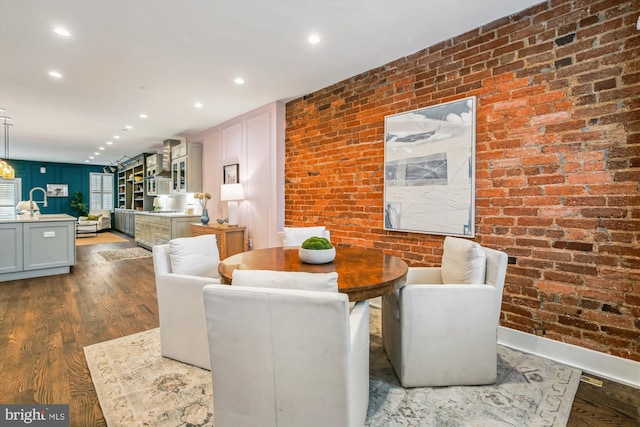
(6, 170)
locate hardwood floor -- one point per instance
(46, 322)
(609, 404)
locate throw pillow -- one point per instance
(93, 217)
(463, 262)
(324, 282)
(295, 236)
(195, 256)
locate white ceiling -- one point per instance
(126, 57)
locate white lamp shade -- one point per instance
(229, 192)
(23, 206)
(232, 193)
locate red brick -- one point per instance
(556, 165)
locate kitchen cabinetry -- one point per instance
(131, 186)
(158, 186)
(186, 167)
(157, 228)
(35, 247)
(125, 221)
(157, 181)
(49, 244)
(154, 164)
(230, 240)
(11, 253)
(132, 194)
(153, 161)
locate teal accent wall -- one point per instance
(74, 175)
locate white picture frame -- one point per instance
(429, 169)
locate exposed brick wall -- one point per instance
(557, 162)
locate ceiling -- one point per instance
(160, 57)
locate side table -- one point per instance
(230, 240)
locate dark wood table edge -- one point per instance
(358, 294)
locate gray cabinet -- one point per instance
(35, 248)
(158, 229)
(51, 244)
(11, 251)
(125, 221)
(186, 167)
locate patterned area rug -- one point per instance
(123, 254)
(135, 385)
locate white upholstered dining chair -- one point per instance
(295, 236)
(182, 268)
(440, 328)
(287, 357)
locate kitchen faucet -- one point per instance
(31, 201)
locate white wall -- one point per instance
(255, 141)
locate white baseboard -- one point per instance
(605, 365)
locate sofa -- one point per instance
(100, 217)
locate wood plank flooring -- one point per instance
(46, 322)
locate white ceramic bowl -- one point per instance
(317, 256)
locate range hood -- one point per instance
(164, 167)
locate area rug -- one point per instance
(103, 237)
(135, 385)
(123, 254)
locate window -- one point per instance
(9, 196)
(101, 191)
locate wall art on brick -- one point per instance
(429, 165)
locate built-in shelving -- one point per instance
(132, 196)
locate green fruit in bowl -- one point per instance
(316, 243)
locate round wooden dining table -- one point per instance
(363, 273)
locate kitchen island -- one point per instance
(42, 245)
(157, 228)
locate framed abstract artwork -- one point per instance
(429, 169)
(57, 190)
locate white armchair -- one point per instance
(183, 268)
(295, 236)
(102, 219)
(287, 357)
(440, 329)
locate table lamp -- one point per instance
(157, 204)
(23, 207)
(232, 193)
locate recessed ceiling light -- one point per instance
(116, 137)
(313, 38)
(239, 81)
(91, 157)
(109, 142)
(86, 161)
(198, 105)
(62, 32)
(101, 148)
(96, 153)
(55, 74)
(143, 116)
(128, 127)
